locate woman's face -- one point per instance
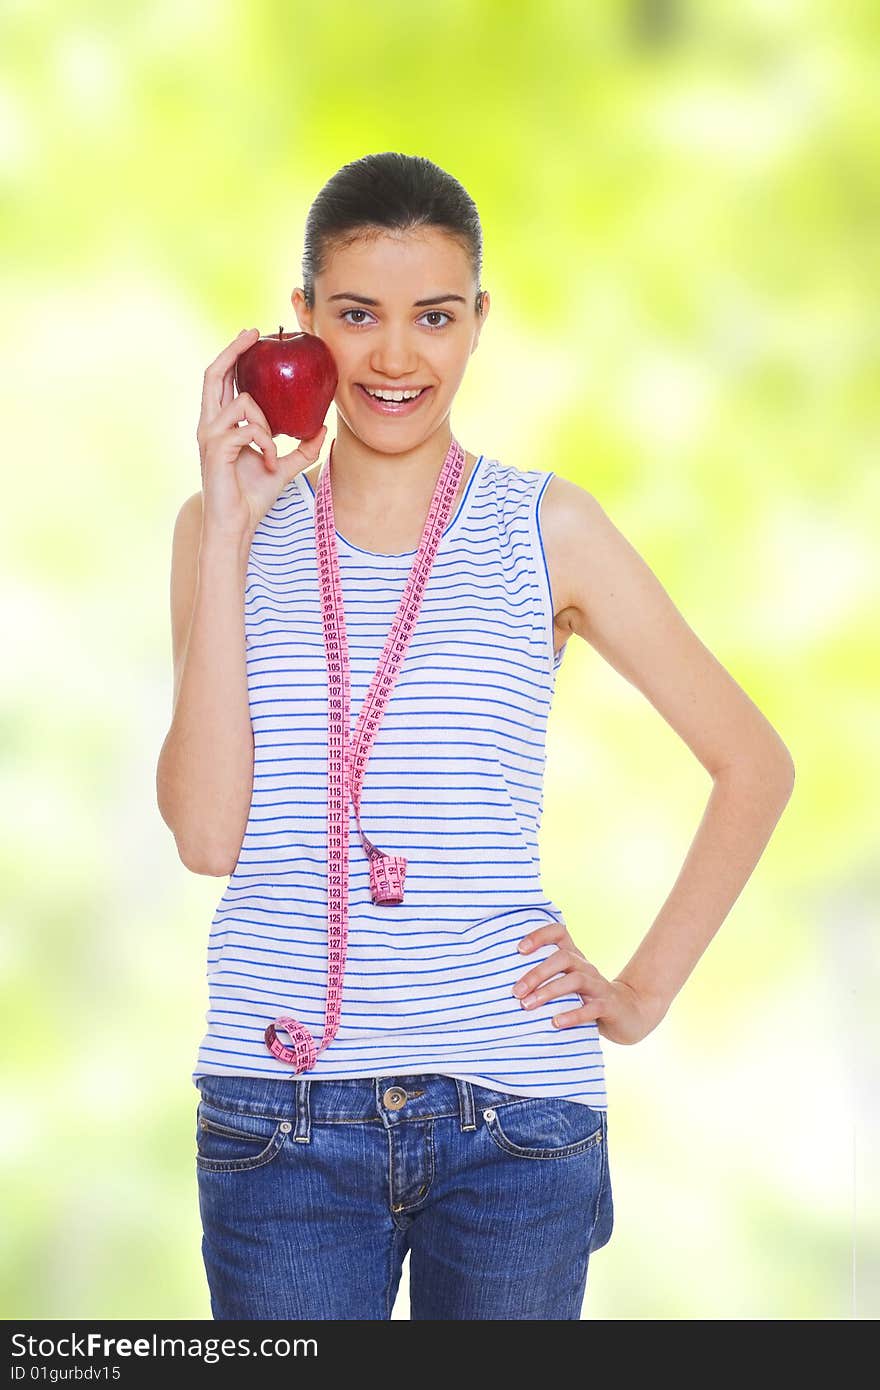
(367, 312)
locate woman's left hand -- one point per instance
(621, 1014)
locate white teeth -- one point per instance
(393, 395)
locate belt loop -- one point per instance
(303, 1132)
(466, 1103)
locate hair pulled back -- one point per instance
(388, 192)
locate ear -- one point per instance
(302, 310)
(484, 304)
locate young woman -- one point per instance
(403, 1045)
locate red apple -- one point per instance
(293, 378)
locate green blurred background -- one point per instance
(681, 208)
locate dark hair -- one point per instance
(388, 192)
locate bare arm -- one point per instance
(204, 778)
(205, 773)
(606, 594)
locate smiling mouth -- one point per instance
(391, 407)
(392, 390)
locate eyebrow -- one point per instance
(417, 303)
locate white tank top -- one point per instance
(454, 783)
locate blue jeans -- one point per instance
(311, 1193)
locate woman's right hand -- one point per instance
(240, 483)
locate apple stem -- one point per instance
(280, 329)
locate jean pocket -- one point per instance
(546, 1128)
(229, 1141)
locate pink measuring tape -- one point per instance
(347, 761)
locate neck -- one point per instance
(372, 483)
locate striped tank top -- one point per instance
(453, 782)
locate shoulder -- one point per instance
(514, 489)
(581, 543)
(571, 518)
(184, 577)
(189, 517)
(185, 547)
(566, 508)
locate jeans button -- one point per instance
(394, 1097)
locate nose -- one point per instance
(392, 357)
